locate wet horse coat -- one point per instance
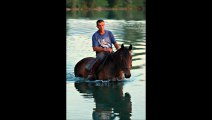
(115, 67)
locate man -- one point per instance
(102, 41)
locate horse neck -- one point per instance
(116, 62)
(110, 64)
(110, 67)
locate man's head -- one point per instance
(100, 24)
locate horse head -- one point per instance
(123, 59)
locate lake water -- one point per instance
(103, 100)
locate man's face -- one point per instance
(101, 26)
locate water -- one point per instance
(105, 100)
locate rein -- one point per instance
(102, 65)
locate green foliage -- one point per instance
(110, 14)
(102, 3)
(114, 3)
(138, 3)
(73, 3)
(127, 3)
(84, 4)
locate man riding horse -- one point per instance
(102, 41)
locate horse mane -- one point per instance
(114, 56)
(122, 51)
(110, 58)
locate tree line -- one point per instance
(92, 4)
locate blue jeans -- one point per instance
(101, 55)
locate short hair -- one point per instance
(99, 21)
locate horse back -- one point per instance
(83, 67)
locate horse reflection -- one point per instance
(109, 99)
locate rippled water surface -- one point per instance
(104, 100)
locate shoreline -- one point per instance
(102, 9)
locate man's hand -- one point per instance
(108, 50)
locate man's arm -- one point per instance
(116, 46)
(100, 49)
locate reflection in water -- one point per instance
(110, 102)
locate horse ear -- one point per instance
(130, 47)
(122, 46)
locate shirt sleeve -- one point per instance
(112, 38)
(94, 41)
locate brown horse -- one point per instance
(116, 66)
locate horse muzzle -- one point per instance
(127, 75)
